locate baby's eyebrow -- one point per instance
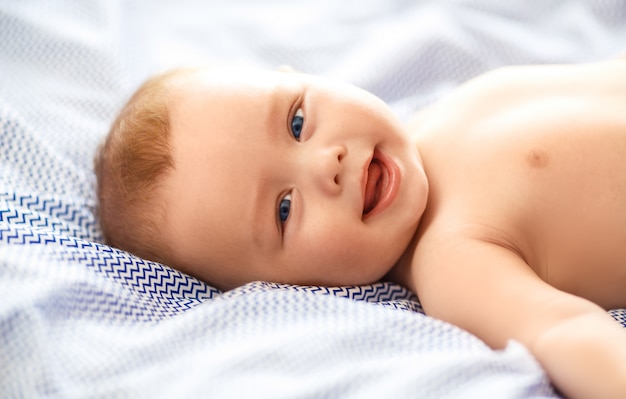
(262, 205)
(277, 108)
(281, 98)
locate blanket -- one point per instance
(81, 319)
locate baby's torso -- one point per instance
(534, 159)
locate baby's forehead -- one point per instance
(230, 90)
(241, 78)
(238, 76)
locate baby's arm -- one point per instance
(489, 291)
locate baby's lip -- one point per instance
(387, 185)
(364, 177)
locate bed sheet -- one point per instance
(81, 319)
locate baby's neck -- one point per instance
(400, 273)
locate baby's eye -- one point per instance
(284, 208)
(296, 124)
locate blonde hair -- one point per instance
(130, 167)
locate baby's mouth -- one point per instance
(373, 186)
(380, 184)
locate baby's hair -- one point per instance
(131, 165)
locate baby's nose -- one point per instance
(327, 168)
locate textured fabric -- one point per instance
(81, 319)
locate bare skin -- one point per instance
(512, 200)
(524, 233)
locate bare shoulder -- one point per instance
(490, 291)
(487, 288)
(562, 76)
(513, 100)
(531, 155)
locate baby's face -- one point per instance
(289, 178)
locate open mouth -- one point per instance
(373, 186)
(380, 184)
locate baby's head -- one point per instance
(132, 165)
(242, 175)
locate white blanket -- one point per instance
(81, 319)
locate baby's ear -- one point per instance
(286, 68)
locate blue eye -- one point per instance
(284, 208)
(296, 124)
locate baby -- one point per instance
(503, 206)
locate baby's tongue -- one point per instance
(373, 176)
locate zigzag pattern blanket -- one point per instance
(81, 319)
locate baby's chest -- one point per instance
(575, 223)
(563, 205)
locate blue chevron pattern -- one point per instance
(166, 287)
(381, 293)
(49, 214)
(619, 315)
(31, 164)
